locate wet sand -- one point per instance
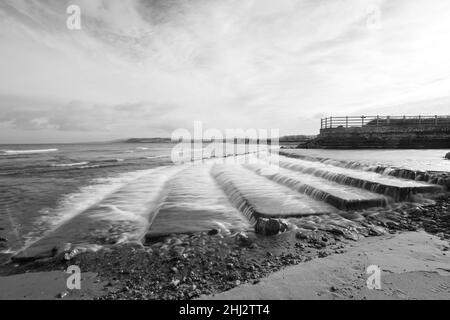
(415, 265)
(48, 286)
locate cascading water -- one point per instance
(194, 202)
(399, 189)
(257, 196)
(341, 196)
(113, 212)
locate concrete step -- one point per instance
(120, 216)
(194, 202)
(397, 188)
(257, 196)
(343, 197)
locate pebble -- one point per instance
(243, 239)
(175, 283)
(179, 250)
(176, 242)
(301, 236)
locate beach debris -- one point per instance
(62, 295)
(270, 227)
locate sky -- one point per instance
(141, 68)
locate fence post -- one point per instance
(362, 121)
(321, 122)
(331, 122)
(346, 121)
(326, 123)
(378, 117)
(435, 120)
(388, 120)
(420, 120)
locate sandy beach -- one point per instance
(415, 265)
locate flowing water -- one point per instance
(109, 193)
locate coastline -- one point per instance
(204, 264)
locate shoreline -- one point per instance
(206, 263)
(413, 265)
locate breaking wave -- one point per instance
(19, 152)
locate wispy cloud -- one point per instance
(146, 67)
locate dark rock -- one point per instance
(447, 156)
(213, 232)
(270, 227)
(3, 239)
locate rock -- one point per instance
(270, 227)
(352, 216)
(179, 250)
(301, 236)
(447, 156)
(3, 239)
(253, 246)
(175, 283)
(213, 232)
(243, 239)
(176, 242)
(376, 231)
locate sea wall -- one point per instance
(398, 137)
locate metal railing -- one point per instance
(378, 121)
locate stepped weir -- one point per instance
(231, 195)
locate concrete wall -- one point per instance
(405, 137)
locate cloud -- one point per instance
(148, 67)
